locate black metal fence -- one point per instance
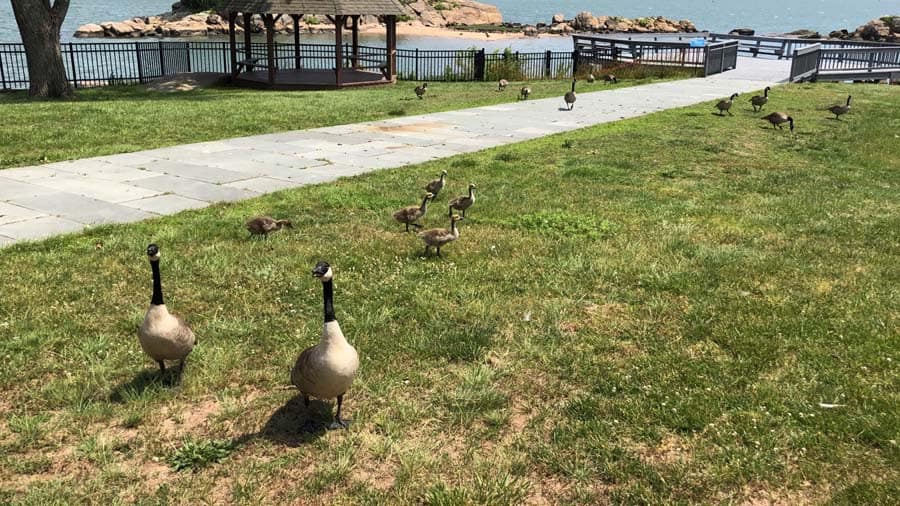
(93, 64)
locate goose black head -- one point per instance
(734, 96)
(472, 186)
(323, 271)
(153, 252)
(443, 172)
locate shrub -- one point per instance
(202, 5)
(197, 454)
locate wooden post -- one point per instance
(232, 41)
(338, 50)
(297, 62)
(270, 46)
(248, 44)
(355, 29)
(391, 27)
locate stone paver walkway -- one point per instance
(62, 197)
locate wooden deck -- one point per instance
(309, 79)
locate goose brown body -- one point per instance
(570, 97)
(435, 186)
(440, 237)
(839, 110)
(264, 225)
(725, 105)
(759, 101)
(409, 215)
(463, 202)
(778, 119)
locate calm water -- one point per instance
(763, 15)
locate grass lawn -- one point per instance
(674, 309)
(129, 118)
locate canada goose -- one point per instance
(525, 93)
(163, 336)
(778, 119)
(591, 78)
(439, 237)
(570, 96)
(501, 86)
(759, 101)
(262, 225)
(436, 185)
(725, 105)
(421, 90)
(409, 215)
(609, 78)
(463, 202)
(326, 370)
(840, 110)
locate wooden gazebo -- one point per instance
(354, 69)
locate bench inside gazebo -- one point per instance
(352, 65)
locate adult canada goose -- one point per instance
(409, 215)
(436, 185)
(263, 225)
(840, 110)
(421, 90)
(570, 96)
(591, 78)
(463, 202)
(777, 119)
(439, 237)
(163, 336)
(725, 105)
(502, 84)
(326, 370)
(759, 101)
(525, 93)
(609, 78)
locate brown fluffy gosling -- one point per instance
(163, 336)
(463, 202)
(421, 90)
(725, 105)
(326, 370)
(502, 84)
(263, 225)
(440, 237)
(778, 119)
(435, 186)
(525, 93)
(610, 79)
(840, 110)
(409, 215)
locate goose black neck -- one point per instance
(328, 295)
(471, 192)
(157, 299)
(424, 203)
(848, 100)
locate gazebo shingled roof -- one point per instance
(337, 12)
(327, 7)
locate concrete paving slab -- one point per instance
(165, 204)
(198, 172)
(193, 189)
(11, 189)
(11, 213)
(94, 188)
(81, 209)
(264, 184)
(39, 228)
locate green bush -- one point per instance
(202, 5)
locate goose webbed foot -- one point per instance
(338, 423)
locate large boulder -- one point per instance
(185, 28)
(839, 34)
(469, 12)
(586, 21)
(561, 28)
(743, 31)
(557, 19)
(90, 30)
(893, 23)
(119, 29)
(805, 34)
(874, 30)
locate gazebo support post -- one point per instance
(355, 28)
(338, 51)
(391, 36)
(248, 45)
(297, 62)
(270, 46)
(232, 42)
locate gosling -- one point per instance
(778, 119)
(439, 237)
(421, 90)
(264, 225)
(409, 215)
(502, 84)
(725, 105)
(570, 96)
(163, 336)
(463, 202)
(759, 101)
(435, 186)
(591, 78)
(840, 110)
(610, 79)
(327, 369)
(525, 93)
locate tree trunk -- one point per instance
(39, 24)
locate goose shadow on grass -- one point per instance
(294, 424)
(148, 379)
